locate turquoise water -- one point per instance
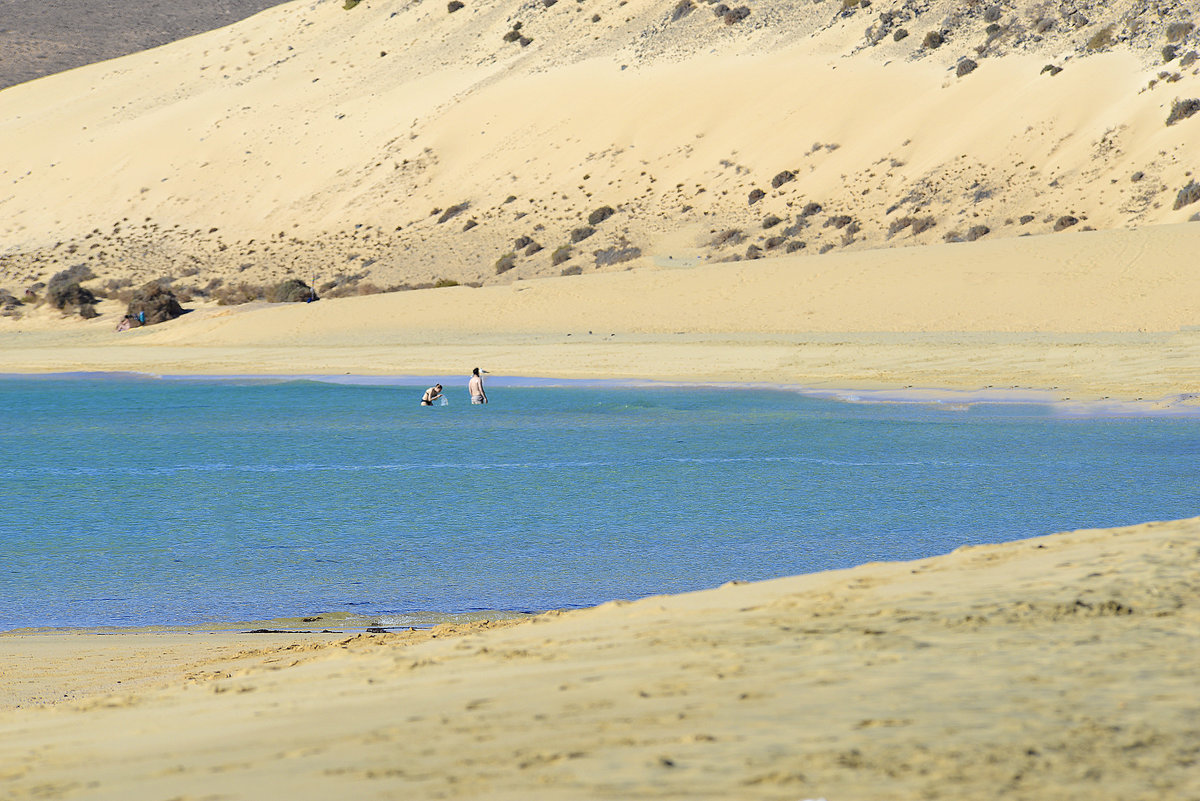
(140, 501)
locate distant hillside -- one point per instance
(399, 142)
(42, 38)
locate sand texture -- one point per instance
(1061, 667)
(400, 143)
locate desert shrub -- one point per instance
(525, 41)
(810, 209)
(236, 295)
(153, 303)
(1169, 52)
(453, 5)
(574, 269)
(453, 212)
(291, 290)
(774, 242)
(10, 305)
(560, 254)
(1188, 195)
(682, 9)
(600, 215)
(839, 221)
(1178, 31)
(1189, 58)
(349, 4)
(917, 224)
(1026, 219)
(792, 247)
(506, 263)
(756, 195)
(443, 283)
(754, 252)
(522, 242)
(1101, 38)
(512, 36)
(966, 67)
(933, 40)
(1050, 68)
(1064, 222)
(469, 224)
(1182, 109)
(770, 221)
(991, 14)
(532, 248)
(65, 292)
(977, 232)
(735, 15)
(782, 178)
(616, 255)
(899, 35)
(730, 236)
(581, 233)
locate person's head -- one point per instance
(437, 387)
(475, 371)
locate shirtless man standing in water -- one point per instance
(475, 387)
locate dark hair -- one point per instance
(475, 371)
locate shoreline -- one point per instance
(1180, 404)
(1042, 665)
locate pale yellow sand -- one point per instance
(1088, 315)
(1055, 668)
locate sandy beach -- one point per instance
(1056, 668)
(878, 200)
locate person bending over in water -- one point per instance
(475, 387)
(431, 394)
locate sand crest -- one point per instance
(1061, 667)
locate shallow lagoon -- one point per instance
(130, 500)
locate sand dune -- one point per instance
(397, 143)
(1059, 668)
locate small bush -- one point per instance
(1188, 59)
(65, 292)
(682, 9)
(349, 4)
(1101, 38)
(810, 209)
(153, 303)
(756, 195)
(1050, 68)
(236, 295)
(453, 5)
(561, 253)
(292, 290)
(977, 232)
(992, 14)
(770, 221)
(839, 221)
(600, 215)
(933, 40)
(782, 178)
(754, 252)
(1169, 53)
(532, 248)
(453, 211)
(574, 269)
(506, 263)
(443, 283)
(522, 242)
(581, 233)
(774, 242)
(1178, 31)
(730, 236)
(735, 15)
(616, 255)
(1064, 222)
(1182, 109)
(1187, 196)
(792, 247)
(966, 67)
(899, 35)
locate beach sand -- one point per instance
(1061, 667)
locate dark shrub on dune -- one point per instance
(293, 290)
(1182, 109)
(1187, 196)
(64, 291)
(153, 303)
(600, 215)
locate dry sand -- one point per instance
(1062, 667)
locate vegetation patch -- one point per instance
(1182, 109)
(1187, 196)
(506, 263)
(600, 215)
(153, 303)
(65, 292)
(291, 290)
